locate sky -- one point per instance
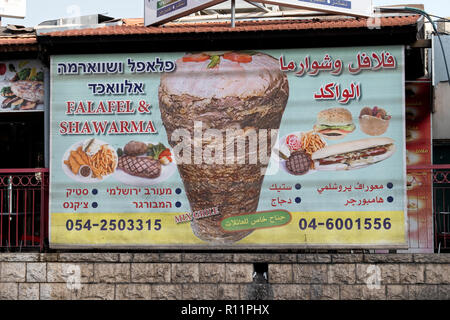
(42, 10)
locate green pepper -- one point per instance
(40, 76)
(215, 60)
(156, 150)
(23, 63)
(24, 74)
(6, 90)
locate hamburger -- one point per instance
(353, 154)
(334, 123)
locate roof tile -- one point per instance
(12, 44)
(17, 41)
(240, 26)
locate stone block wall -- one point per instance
(223, 276)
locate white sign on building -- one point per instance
(439, 71)
(362, 8)
(160, 11)
(13, 8)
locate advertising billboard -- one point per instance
(21, 86)
(419, 153)
(236, 149)
(362, 8)
(13, 8)
(160, 11)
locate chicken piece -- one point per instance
(83, 155)
(77, 157)
(74, 165)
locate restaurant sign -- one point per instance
(160, 11)
(13, 8)
(21, 86)
(349, 7)
(298, 148)
(419, 184)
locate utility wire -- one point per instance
(426, 15)
(440, 18)
(445, 20)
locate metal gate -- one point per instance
(441, 199)
(23, 209)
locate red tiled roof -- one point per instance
(10, 44)
(241, 26)
(133, 21)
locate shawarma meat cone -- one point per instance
(244, 93)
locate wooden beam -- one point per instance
(421, 43)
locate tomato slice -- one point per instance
(238, 57)
(2, 69)
(293, 142)
(165, 153)
(196, 57)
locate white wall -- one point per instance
(441, 117)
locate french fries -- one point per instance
(311, 142)
(102, 163)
